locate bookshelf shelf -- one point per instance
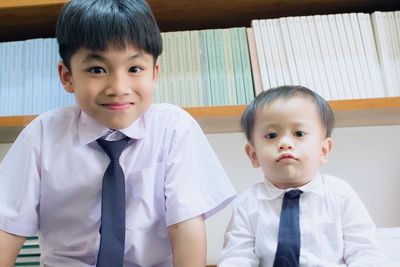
(224, 119)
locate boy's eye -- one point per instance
(271, 135)
(299, 133)
(97, 70)
(134, 69)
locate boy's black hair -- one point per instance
(98, 24)
(270, 95)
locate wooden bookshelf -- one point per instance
(25, 19)
(225, 119)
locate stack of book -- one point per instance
(30, 253)
(205, 68)
(338, 56)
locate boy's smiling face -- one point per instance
(114, 86)
(288, 141)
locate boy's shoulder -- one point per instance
(51, 117)
(251, 195)
(336, 185)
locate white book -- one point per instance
(260, 53)
(345, 69)
(4, 72)
(281, 51)
(273, 81)
(311, 52)
(229, 67)
(273, 51)
(290, 22)
(221, 88)
(55, 84)
(319, 59)
(384, 47)
(196, 68)
(397, 22)
(205, 73)
(37, 75)
(181, 99)
(336, 66)
(12, 84)
(371, 55)
(287, 44)
(19, 106)
(327, 53)
(357, 49)
(354, 80)
(47, 64)
(188, 69)
(304, 54)
(158, 90)
(394, 37)
(5, 81)
(170, 66)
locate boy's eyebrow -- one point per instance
(98, 57)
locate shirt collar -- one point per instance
(269, 191)
(90, 130)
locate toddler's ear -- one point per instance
(326, 149)
(251, 153)
(65, 77)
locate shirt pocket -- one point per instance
(331, 242)
(145, 206)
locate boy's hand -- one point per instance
(10, 246)
(188, 240)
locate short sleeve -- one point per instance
(196, 183)
(239, 240)
(20, 183)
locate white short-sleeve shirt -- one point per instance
(50, 183)
(335, 227)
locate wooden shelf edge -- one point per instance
(226, 119)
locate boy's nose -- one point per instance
(285, 143)
(117, 86)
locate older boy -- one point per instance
(298, 216)
(165, 183)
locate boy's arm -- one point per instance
(10, 246)
(188, 240)
(239, 240)
(360, 245)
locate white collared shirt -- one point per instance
(50, 182)
(335, 227)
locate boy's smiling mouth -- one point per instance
(118, 106)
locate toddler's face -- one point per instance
(289, 141)
(114, 86)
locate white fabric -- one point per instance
(50, 182)
(336, 229)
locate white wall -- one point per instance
(366, 157)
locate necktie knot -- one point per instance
(293, 194)
(113, 148)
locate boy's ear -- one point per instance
(65, 77)
(326, 149)
(251, 153)
(156, 70)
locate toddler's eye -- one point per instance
(299, 133)
(134, 69)
(271, 135)
(97, 70)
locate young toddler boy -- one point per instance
(149, 208)
(297, 216)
